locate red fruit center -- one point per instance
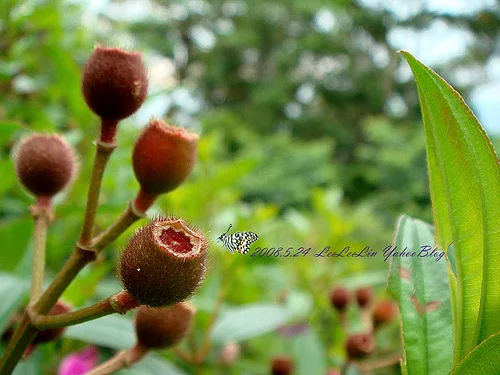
(177, 242)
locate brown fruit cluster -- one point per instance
(360, 345)
(114, 83)
(384, 312)
(163, 157)
(340, 298)
(45, 164)
(282, 365)
(164, 262)
(364, 296)
(164, 327)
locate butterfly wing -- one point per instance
(246, 239)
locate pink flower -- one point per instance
(78, 363)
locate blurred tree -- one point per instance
(311, 69)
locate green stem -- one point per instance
(26, 332)
(103, 152)
(65, 276)
(122, 359)
(42, 214)
(125, 220)
(82, 255)
(113, 304)
(23, 336)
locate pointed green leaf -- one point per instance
(112, 331)
(310, 354)
(243, 323)
(419, 284)
(482, 360)
(13, 290)
(464, 175)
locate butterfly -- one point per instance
(239, 241)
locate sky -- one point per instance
(435, 45)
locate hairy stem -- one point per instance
(113, 304)
(42, 214)
(26, 331)
(103, 152)
(125, 220)
(80, 257)
(22, 337)
(122, 359)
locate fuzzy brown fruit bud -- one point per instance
(45, 164)
(163, 157)
(114, 83)
(340, 298)
(282, 365)
(364, 296)
(53, 333)
(164, 327)
(164, 262)
(384, 312)
(360, 345)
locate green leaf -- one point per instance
(482, 360)
(31, 366)
(464, 175)
(8, 177)
(16, 235)
(12, 290)
(309, 354)
(243, 323)
(153, 364)
(419, 284)
(113, 331)
(8, 129)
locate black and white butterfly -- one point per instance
(239, 241)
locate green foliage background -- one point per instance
(298, 144)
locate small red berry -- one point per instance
(45, 164)
(360, 345)
(282, 365)
(364, 296)
(384, 312)
(340, 298)
(163, 158)
(53, 333)
(164, 262)
(163, 327)
(114, 82)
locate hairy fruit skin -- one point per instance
(53, 333)
(364, 296)
(163, 157)
(164, 262)
(114, 82)
(164, 327)
(384, 312)
(360, 345)
(45, 164)
(340, 298)
(282, 365)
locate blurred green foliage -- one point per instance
(299, 144)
